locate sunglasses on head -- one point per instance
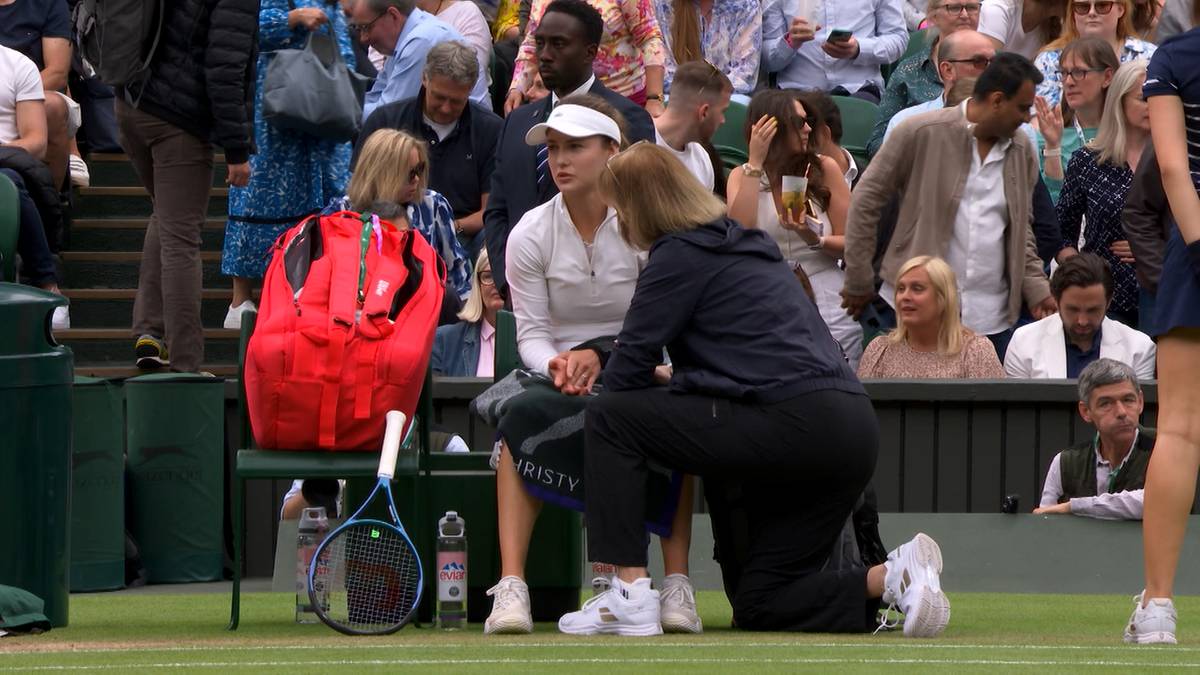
(1102, 7)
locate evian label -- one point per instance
(452, 576)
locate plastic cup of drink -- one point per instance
(795, 191)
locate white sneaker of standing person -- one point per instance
(1153, 624)
(80, 176)
(233, 318)
(677, 606)
(624, 609)
(913, 584)
(510, 608)
(61, 319)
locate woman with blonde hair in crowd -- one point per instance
(1108, 20)
(389, 180)
(929, 341)
(1088, 66)
(1098, 180)
(812, 235)
(758, 396)
(468, 348)
(571, 277)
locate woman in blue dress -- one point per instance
(1173, 92)
(293, 174)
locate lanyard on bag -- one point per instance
(370, 224)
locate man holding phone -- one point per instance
(835, 47)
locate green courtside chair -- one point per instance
(730, 138)
(10, 225)
(282, 464)
(858, 120)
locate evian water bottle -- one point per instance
(452, 571)
(312, 529)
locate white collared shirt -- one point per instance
(851, 170)
(587, 86)
(1125, 505)
(976, 250)
(561, 295)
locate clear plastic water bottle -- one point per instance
(452, 571)
(313, 526)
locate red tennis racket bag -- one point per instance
(345, 327)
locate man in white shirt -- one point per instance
(838, 48)
(1064, 344)
(23, 134)
(1103, 477)
(699, 98)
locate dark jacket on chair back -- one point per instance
(202, 76)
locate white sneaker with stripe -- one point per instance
(624, 609)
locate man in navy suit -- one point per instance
(566, 42)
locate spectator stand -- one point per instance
(858, 120)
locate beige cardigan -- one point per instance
(925, 161)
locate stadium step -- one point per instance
(114, 346)
(105, 307)
(115, 169)
(119, 269)
(126, 234)
(127, 201)
(101, 264)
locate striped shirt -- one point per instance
(1175, 71)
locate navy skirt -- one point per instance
(1178, 302)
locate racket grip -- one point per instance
(391, 443)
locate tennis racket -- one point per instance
(365, 577)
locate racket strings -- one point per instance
(371, 576)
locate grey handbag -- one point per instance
(312, 91)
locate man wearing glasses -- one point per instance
(917, 79)
(398, 28)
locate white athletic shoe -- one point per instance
(1153, 624)
(912, 583)
(677, 606)
(625, 609)
(233, 318)
(80, 176)
(510, 608)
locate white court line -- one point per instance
(625, 661)
(601, 643)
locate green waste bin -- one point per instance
(98, 482)
(35, 448)
(175, 438)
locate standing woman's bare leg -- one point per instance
(1171, 478)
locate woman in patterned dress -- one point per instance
(726, 33)
(629, 60)
(1099, 178)
(293, 174)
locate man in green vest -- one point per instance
(1103, 477)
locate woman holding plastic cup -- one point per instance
(798, 197)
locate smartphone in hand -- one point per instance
(839, 35)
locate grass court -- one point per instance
(150, 632)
